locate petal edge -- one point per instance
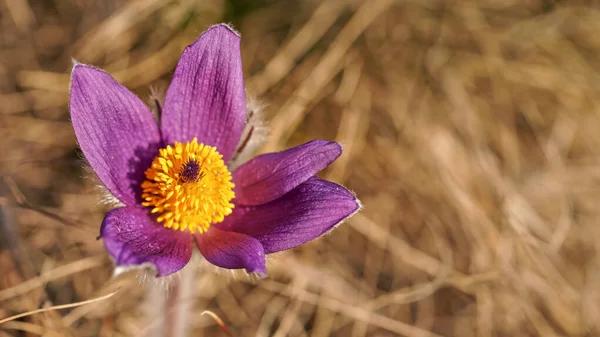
(307, 212)
(115, 130)
(207, 97)
(132, 238)
(271, 175)
(232, 250)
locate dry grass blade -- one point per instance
(218, 320)
(58, 307)
(31, 328)
(323, 72)
(62, 271)
(322, 18)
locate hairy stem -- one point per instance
(168, 304)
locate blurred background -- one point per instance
(471, 134)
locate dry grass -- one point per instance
(470, 132)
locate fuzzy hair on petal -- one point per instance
(254, 135)
(157, 99)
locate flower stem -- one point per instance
(169, 304)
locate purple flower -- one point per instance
(173, 180)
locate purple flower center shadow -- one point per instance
(137, 166)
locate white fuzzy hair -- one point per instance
(254, 135)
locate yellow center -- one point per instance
(188, 186)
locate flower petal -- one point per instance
(305, 213)
(232, 250)
(269, 176)
(133, 238)
(115, 130)
(206, 98)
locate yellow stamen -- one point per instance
(188, 187)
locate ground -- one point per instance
(470, 133)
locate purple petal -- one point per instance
(305, 213)
(115, 130)
(206, 98)
(133, 238)
(232, 250)
(269, 176)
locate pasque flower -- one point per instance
(172, 177)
